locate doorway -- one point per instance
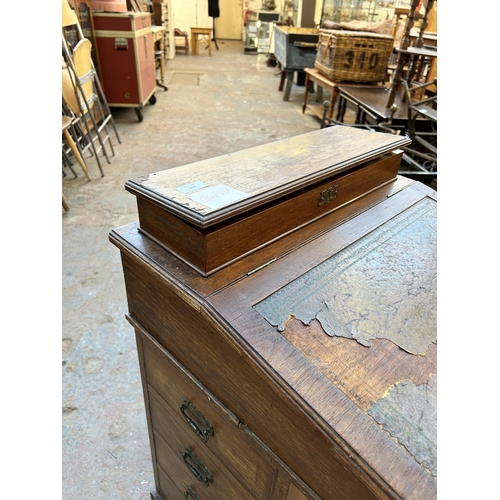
(229, 25)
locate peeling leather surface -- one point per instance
(382, 286)
(408, 412)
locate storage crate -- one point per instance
(353, 56)
(295, 48)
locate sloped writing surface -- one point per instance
(384, 286)
(408, 412)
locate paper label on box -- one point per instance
(192, 186)
(218, 196)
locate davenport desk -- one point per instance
(284, 305)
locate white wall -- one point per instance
(190, 13)
(254, 4)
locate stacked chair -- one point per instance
(85, 109)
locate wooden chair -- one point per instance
(182, 34)
(421, 155)
(410, 59)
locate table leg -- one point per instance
(288, 87)
(333, 99)
(319, 94)
(193, 44)
(341, 109)
(306, 93)
(162, 64)
(282, 80)
(210, 44)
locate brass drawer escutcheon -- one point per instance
(328, 195)
(196, 466)
(200, 425)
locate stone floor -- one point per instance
(213, 106)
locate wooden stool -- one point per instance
(194, 39)
(182, 34)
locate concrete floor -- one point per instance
(237, 105)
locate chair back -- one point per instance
(69, 91)
(82, 61)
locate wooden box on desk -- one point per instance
(305, 369)
(214, 212)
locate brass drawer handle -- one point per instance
(189, 493)
(200, 425)
(196, 466)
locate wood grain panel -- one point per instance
(233, 378)
(231, 446)
(363, 374)
(211, 249)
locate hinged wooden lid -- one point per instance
(211, 191)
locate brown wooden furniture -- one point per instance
(371, 105)
(290, 372)
(185, 42)
(161, 17)
(322, 82)
(195, 44)
(409, 57)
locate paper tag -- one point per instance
(192, 186)
(218, 196)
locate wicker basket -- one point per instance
(353, 56)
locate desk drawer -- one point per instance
(178, 399)
(188, 461)
(167, 488)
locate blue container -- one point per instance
(295, 48)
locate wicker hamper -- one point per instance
(353, 56)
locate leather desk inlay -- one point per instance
(357, 293)
(409, 413)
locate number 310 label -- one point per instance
(362, 60)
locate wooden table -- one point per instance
(159, 41)
(195, 32)
(314, 76)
